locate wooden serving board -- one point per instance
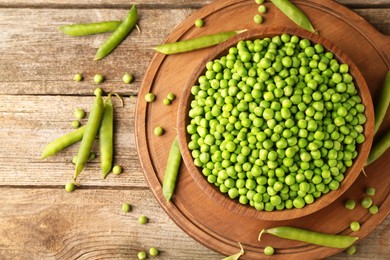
(203, 218)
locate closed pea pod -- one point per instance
(92, 127)
(195, 43)
(321, 239)
(171, 170)
(106, 134)
(118, 35)
(83, 29)
(379, 148)
(294, 13)
(62, 142)
(383, 103)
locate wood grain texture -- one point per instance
(38, 220)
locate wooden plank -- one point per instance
(38, 59)
(31, 122)
(89, 224)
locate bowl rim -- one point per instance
(286, 214)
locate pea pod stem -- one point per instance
(383, 103)
(295, 14)
(83, 29)
(92, 127)
(62, 142)
(235, 256)
(118, 35)
(195, 43)
(106, 133)
(171, 170)
(321, 239)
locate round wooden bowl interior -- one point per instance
(350, 175)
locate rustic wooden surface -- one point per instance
(38, 219)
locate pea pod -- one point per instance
(83, 29)
(379, 148)
(295, 14)
(62, 142)
(195, 43)
(383, 103)
(92, 127)
(106, 134)
(321, 239)
(171, 170)
(118, 35)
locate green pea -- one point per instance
(128, 78)
(351, 250)
(158, 131)
(75, 124)
(153, 251)
(355, 226)
(262, 9)
(141, 255)
(166, 101)
(370, 191)
(150, 97)
(199, 23)
(117, 170)
(143, 220)
(97, 79)
(78, 77)
(350, 204)
(259, 20)
(79, 113)
(126, 207)
(171, 96)
(269, 250)
(373, 209)
(366, 202)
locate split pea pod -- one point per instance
(62, 142)
(295, 14)
(106, 133)
(321, 239)
(83, 29)
(383, 103)
(195, 43)
(171, 170)
(118, 35)
(92, 127)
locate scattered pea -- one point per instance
(269, 250)
(143, 220)
(92, 156)
(259, 2)
(373, 209)
(70, 186)
(262, 9)
(117, 170)
(150, 97)
(126, 207)
(199, 23)
(166, 101)
(366, 202)
(171, 96)
(153, 251)
(370, 191)
(142, 255)
(78, 77)
(75, 124)
(128, 78)
(258, 19)
(355, 226)
(158, 131)
(79, 113)
(350, 204)
(97, 79)
(351, 250)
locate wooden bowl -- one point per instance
(277, 215)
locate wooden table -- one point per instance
(38, 219)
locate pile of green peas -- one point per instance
(276, 122)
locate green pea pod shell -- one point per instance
(84, 29)
(106, 137)
(62, 142)
(311, 237)
(235, 256)
(383, 103)
(379, 148)
(171, 170)
(295, 14)
(91, 130)
(118, 35)
(195, 43)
